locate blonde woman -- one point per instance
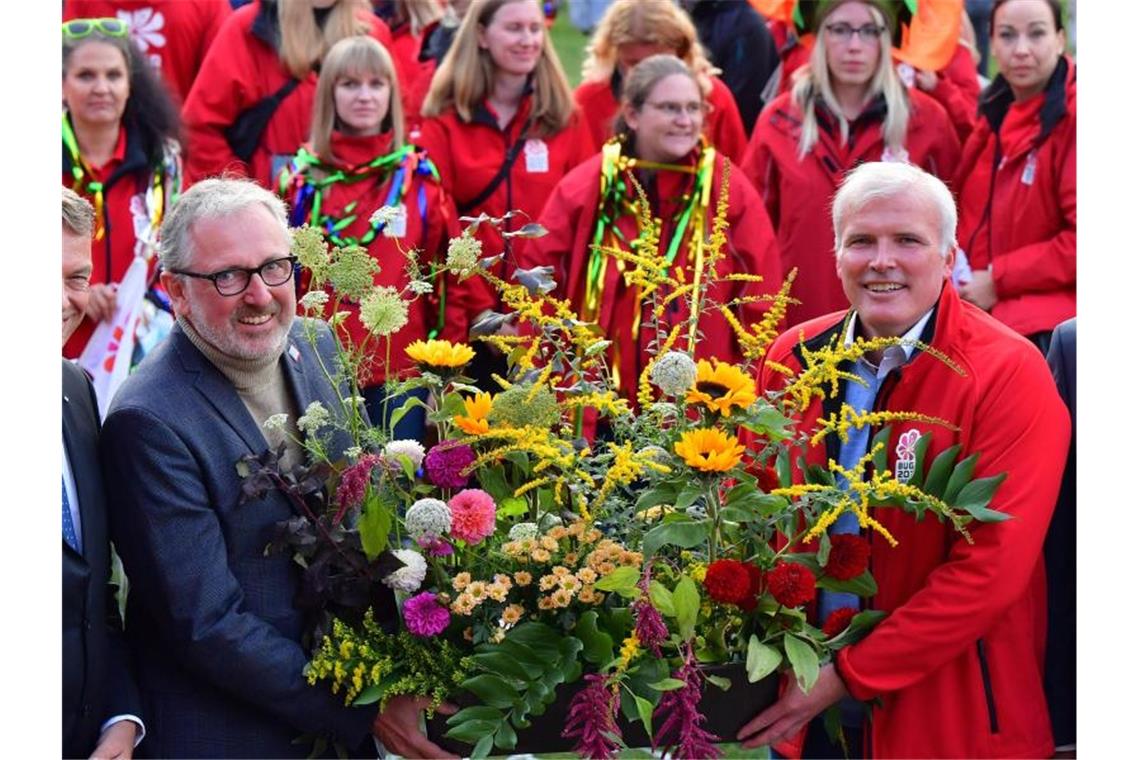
(632, 30)
(249, 109)
(847, 106)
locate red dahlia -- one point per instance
(729, 582)
(838, 621)
(766, 477)
(791, 584)
(848, 557)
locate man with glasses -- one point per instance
(218, 639)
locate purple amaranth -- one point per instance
(353, 481)
(680, 730)
(593, 715)
(649, 626)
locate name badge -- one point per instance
(398, 226)
(537, 156)
(1030, 170)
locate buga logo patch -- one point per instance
(904, 453)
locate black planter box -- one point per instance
(725, 713)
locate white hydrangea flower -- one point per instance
(674, 373)
(413, 450)
(523, 530)
(314, 418)
(276, 422)
(385, 215)
(428, 518)
(410, 577)
(314, 300)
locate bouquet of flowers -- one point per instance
(529, 564)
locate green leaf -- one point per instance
(369, 695)
(689, 495)
(471, 731)
(862, 585)
(530, 662)
(623, 580)
(662, 598)
(482, 748)
(501, 663)
(512, 506)
(494, 482)
(687, 603)
(805, 661)
(452, 405)
(410, 403)
(935, 482)
(645, 712)
(597, 646)
(963, 472)
(817, 475)
(686, 534)
(920, 450)
(668, 684)
(476, 712)
(374, 524)
(784, 466)
(880, 459)
(720, 682)
(859, 627)
(491, 690)
(976, 496)
(505, 737)
(665, 493)
(768, 421)
(762, 659)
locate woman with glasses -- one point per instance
(847, 106)
(248, 111)
(120, 151)
(660, 149)
(355, 163)
(632, 30)
(1018, 180)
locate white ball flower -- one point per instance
(674, 373)
(410, 577)
(428, 518)
(523, 530)
(413, 450)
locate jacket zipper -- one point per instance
(987, 685)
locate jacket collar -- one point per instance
(134, 159)
(996, 100)
(265, 25)
(484, 115)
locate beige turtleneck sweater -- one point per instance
(262, 387)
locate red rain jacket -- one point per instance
(241, 68)
(958, 660)
(569, 217)
(957, 90)
(1021, 217)
(798, 193)
(723, 126)
(429, 223)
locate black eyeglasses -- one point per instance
(843, 31)
(232, 282)
(79, 28)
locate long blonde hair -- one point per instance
(466, 74)
(353, 55)
(814, 80)
(651, 22)
(303, 42)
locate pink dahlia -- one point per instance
(445, 463)
(472, 515)
(424, 616)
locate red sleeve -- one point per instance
(725, 127)
(957, 103)
(761, 169)
(581, 141)
(1050, 264)
(215, 14)
(753, 244)
(593, 103)
(945, 150)
(433, 137)
(1021, 427)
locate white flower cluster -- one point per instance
(463, 254)
(410, 577)
(523, 530)
(314, 300)
(413, 450)
(428, 518)
(314, 418)
(276, 422)
(674, 373)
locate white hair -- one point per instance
(877, 180)
(211, 198)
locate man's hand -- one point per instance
(117, 742)
(101, 304)
(398, 728)
(980, 291)
(784, 719)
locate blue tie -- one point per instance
(68, 526)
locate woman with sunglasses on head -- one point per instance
(632, 30)
(355, 163)
(658, 147)
(847, 106)
(120, 151)
(248, 111)
(1018, 180)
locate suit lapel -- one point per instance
(80, 431)
(308, 382)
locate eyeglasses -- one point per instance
(692, 109)
(232, 282)
(79, 28)
(843, 32)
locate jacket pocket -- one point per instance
(987, 686)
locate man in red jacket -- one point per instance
(955, 667)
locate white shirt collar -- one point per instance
(893, 356)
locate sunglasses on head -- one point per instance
(82, 27)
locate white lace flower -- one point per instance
(314, 300)
(410, 577)
(428, 518)
(674, 373)
(314, 418)
(353, 453)
(463, 253)
(523, 530)
(276, 422)
(413, 450)
(421, 287)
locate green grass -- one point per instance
(570, 44)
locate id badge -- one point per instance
(398, 227)
(1030, 170)
(537, 156)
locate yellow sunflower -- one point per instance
(709, 449)
(477, 408)
(440, 353)
(721, 386)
